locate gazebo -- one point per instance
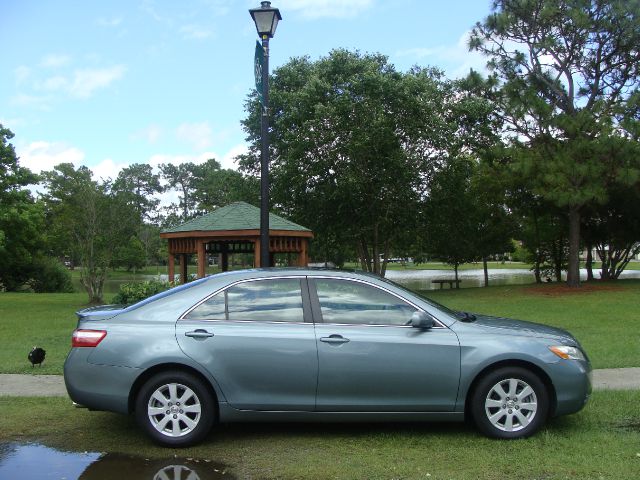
(234, 228)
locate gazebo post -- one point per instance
(171, 264)
(202, 259)
(225, 257)
(256, 253)
(302, 256)
(183, 268)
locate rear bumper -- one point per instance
(98, 387)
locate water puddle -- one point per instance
(35, 462)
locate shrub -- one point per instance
(134, 292)
(50, 276)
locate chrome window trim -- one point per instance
(204, 320)
(246, 280)
(358, 280)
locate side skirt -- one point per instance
(229, 414)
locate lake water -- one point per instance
(422, 279)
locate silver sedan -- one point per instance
(318, 345)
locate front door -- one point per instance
(370, 359)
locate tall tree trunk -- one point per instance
(589, 263)
(366, 259)
(536, 264)
(385, 259)
(558, 258)
(455, 268)
(486, 271)
(376, 252)
(536, 269)
(573, 272)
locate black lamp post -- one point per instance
(266, 20)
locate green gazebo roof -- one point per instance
(235, 216)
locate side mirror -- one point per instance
(422, 320)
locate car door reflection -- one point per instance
(111, 466)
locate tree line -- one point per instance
(380, 163)
(98, 225)
(543, 149)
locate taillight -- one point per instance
(87, 338)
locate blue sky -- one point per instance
(110, 83)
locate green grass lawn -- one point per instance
(42, 319)
(601, 442)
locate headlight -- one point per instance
(568, 353)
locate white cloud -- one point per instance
(55, 61)
(13, 123)
(85, 82)
(55, 83)
(228, 159)
(456, 60)
(22, 74)
(107, 168)
(151, 134)
(195, 32)
(326, 8)
(42, 156)
(37, 102)
(198, 135)
(157, 159)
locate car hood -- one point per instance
(509, 326)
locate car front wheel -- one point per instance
(175, 409)
(510, 403)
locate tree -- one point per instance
(216, 187)
(464, 216)
(613, 230)
(353, 145)
(88, 220)
(495, 225)
(182, 178)
(138, 184)
(569, 71)
(130, 255)
(21, 219)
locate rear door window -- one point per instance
(271, 300)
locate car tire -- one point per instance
(510, 403)
(176, 409)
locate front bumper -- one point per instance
(572, 381)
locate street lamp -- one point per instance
(266, 20)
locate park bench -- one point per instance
(450, 282)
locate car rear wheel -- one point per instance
(175, 409)
(510, 403)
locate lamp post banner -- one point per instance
(258, 65)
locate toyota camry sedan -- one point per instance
(314, 345)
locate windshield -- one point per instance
(431, 302)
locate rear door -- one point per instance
(371, 360)
(257, 340)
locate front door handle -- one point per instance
(199, 333)
(334, 339)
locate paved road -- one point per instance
(53, 385)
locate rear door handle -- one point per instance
(334, 339)
(198, 334)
